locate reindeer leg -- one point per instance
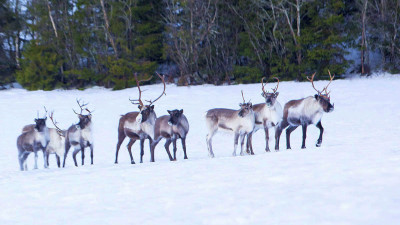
(266, 139)
(209, 143)
(129, 146)
(321, 132)
(121, 138)
(74, 156)
(142, 153)
(289, 130)
(153, 145)
(67, 147)
(36, 158)
(235, 143)
(174, 148)
(278, 131)
(167, 144)
(249, 145)
(242, 136)
(45, 158)
(22, 161)
(83, 154)
(91, 153)
(141, 149)
(184, 147)
(58, 161)
(303, 145)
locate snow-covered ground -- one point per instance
(354, 178)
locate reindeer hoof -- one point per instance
(267, 150)
(303, 147)
(132, 162)
(185, 157)
(318, 145)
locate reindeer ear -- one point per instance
(139, 107)
(263, 94)
(276, 94)
(90, 116)
(181, 111)
(35, 120)
(316, 96)
(251, 105)
(152, 107)
(169, 112)
(240, 104)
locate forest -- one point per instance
(48, 44)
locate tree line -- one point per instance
(47, 44)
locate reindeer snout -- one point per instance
(331, 108)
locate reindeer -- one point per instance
(57, 141)
(138, 125)
(267, 115)
(241, 122)
(80, 135)
(33, 139)
(171, 127)
(304, 112)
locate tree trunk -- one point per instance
(108, 28)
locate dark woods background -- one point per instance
(47, 44)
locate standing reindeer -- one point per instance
(80, 135)
(241, 122)
(304, 112)
(267, 115)
(138, 125)
(57, 142)
(33, 139)
(171, 127)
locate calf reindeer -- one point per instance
(240, 122)
(171, 127)
(304, 112)
(138, 125)
(33, 139)
(80, 135)
(267, 115)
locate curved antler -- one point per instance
(263, 85)
(273, 89)
(59, 131)
(139, 101)
(326, 87)
(80, 106)
(312, 82)
(163, 93)
(277, 85)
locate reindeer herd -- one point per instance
(144, 124)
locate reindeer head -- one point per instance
(323, 97)
(175, 116)
(84, 120)
(245, 107)
(145, 111)
(270, 97)
(40, 124)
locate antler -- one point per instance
(277, 85)
(59, 131)
(163, 93)
(326, 87)
(81, 106)
(273, 89)
(45, 111)
(139, 101)
(263, 85)
(312, 82)
(243, 97)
